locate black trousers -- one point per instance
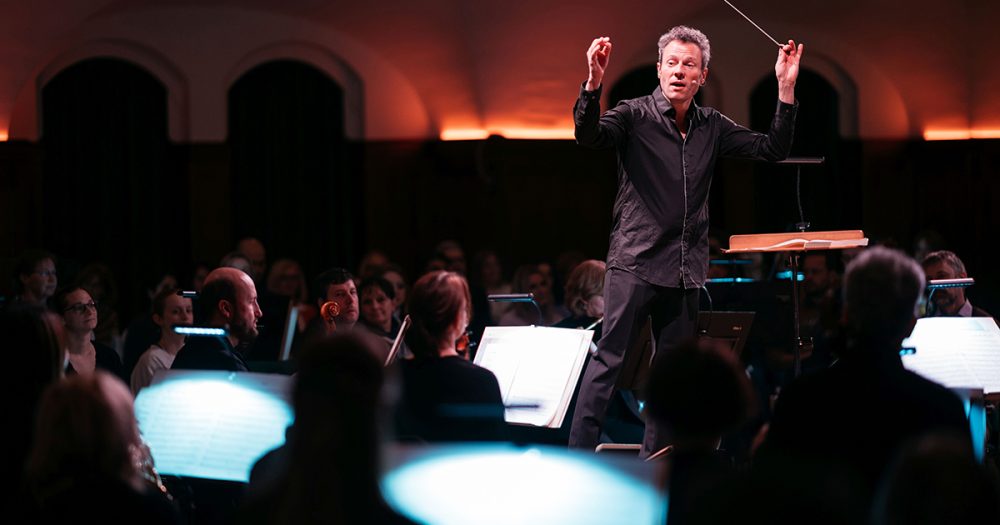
(628, 301)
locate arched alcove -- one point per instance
(831, 192)
(294, 183)
(109, 188)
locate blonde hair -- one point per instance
(585, 281)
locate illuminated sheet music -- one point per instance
(213, 425)
(537, 368)
(956, 352)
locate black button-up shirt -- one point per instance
(660, 231)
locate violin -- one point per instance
(329, 312)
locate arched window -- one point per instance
(110, 192)
(831, 193)
(292, 180)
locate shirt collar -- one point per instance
(965, 310)
(665, 108)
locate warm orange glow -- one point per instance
(986, 133)
(464, 134)
(3, 135)
(537, 133)
(510, 133)
(961, 134)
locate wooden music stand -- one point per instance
(796, 243)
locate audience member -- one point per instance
(585, 296)
(488, 275)
(700, 393)
(80, 317)
(949, 302)
(327, 471)
(35, 277)
(255, 254)
(835, 432)
(99, 281)
(530, 279)
(444, 396)
(236, 260)
(84, 464)
(199, 271)
(142, 331)
(452, 254)
(287, 280)
(394, 274)
(372, 263)
(377, 304)
(228, 300)
(169, 309)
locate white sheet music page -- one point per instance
(537, 368)
(956, 352)
(213, 425)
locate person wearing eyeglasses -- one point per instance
(35, 277)
(84, 355)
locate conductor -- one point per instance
(658, 257)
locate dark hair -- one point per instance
(26, 264)
(434, 303)
(221, 289)
(58, 300)
(378, 282)
(328, 278)
(947, 257)
(699, 391)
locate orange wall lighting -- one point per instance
(510, 133)
(961, 134)
(3, 135)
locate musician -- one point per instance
(445, 397)
(667, 147)
(228, 299)
(949, 302)
(845, 424)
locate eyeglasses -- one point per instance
(81, 308)
(47, 273)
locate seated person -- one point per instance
(698, 393)
(79, 313)
(840, 427)
(530, 278)
(85, 464)
(585, 296)
(444, 396)
(327, 470)
(35, 278)
(169, 309)
(949, 302)
(377, 297)
(228, 300)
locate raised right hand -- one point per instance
(597, 60)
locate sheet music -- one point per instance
(956, 352)
(537, 369)
(213, 425)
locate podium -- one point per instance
(796, 243)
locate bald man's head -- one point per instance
(229, 298)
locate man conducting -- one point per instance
(658, 256)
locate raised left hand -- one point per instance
(786, 68)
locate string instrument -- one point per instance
(329, 312)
